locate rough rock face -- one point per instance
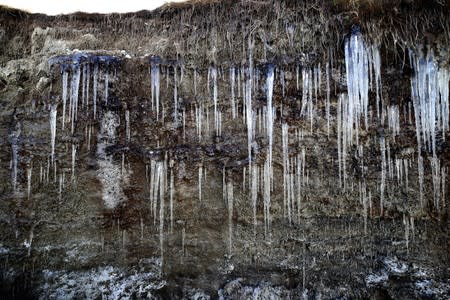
(226, 149)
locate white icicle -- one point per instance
(213, 75)
(29, 173)
(74, 153)
(94, 92)
(127, 123)
(53, 112)
(74, 94)
(232, 83)
(430, 96)
(269, 110)
(106, 86)
(356, 63)
(200, 174)
(175, 95)
(230, 215)
(285, 147)
(172, 192)
(394, 120)
(65, 79)
(155, 82)
(383, 173)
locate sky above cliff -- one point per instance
(55, 7)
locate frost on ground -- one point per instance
(236, 290)
(423, 280)
(102, 283)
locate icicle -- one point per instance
(94, 92)
(74, 94)
(53, 112)
(184, 123)
(175, 95)
(230, 215)
(200, 173)
(65, 79)
(253, 173)
(249, 117)
(376, 62)
(127, 124)
(15, 153)
(172, 192)
(161, 180)
(232, 83)
(74, 153)
(394, 120)
(383, 173)
(88, 75)
(327, 105)
(269, 96)
(356, 63)
(83, 86)
(267, 200)
(155, 82)
(430, 97)
(60, 188)
(213, 75)
(106, 86)
(29, 172)
(286, 181)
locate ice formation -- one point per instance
(53, 113)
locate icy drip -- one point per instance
(267, 200)
(94, 92)
(394, 120)
(233, 96)
(175, 95)
(383, 173)
(230, 215)
(429, 88)
(356, 64)
(127, 124)
(286, 167)
(200, 174)
(65, 79)
(106, 86)
(269, 120)
(439, 184)
(161, 179)
(213, 78)
(249, 116)
(376, 63)
(83, 85)
(53, 112)
(158, 175)
(327, 105)
(29, 173)
(248, 100)
(74, 155)
(172, 192)
(254, 171)
(109, 174)
(87, 83)
(155, 82)
(344, 131)
(307, 95)
(75, 84)
(301, 166)
(282, 82)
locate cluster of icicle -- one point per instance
(430, 95)
(363, 73)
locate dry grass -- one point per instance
(219, 31)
